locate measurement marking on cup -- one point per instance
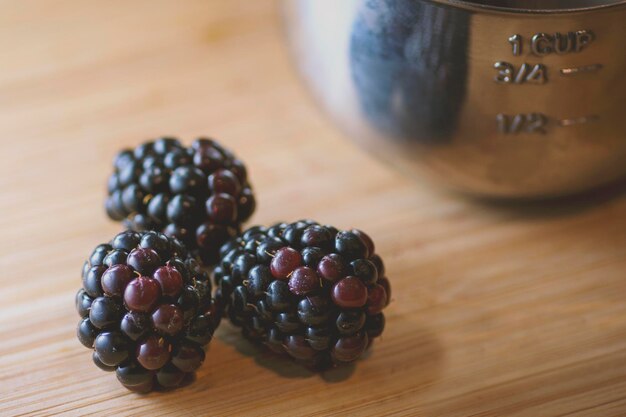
(582, 69)
(507, 73)
(524, 122)
(535, 122)
(542, 44)
(578, 120)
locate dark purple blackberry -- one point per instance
(200, 195)
(306, 290)
(148, 316)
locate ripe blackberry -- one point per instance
(146, 310)
(200, 195)
(307, 290)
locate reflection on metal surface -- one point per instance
(413, 82)
(409, 67)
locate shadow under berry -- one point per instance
(427, 351)
(282, 365)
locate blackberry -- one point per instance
(200, 195)
(305, 290)
(147, 315)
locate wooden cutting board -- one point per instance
(498, 310)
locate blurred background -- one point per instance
(82, 81)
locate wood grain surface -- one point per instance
(498, 310)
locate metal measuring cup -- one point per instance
(505, 98)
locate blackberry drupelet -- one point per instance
(200, 195)
(307, 290)
(146, 310)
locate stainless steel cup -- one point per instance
(500, 98)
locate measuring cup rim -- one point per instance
(472, 5)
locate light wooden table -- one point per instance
(497, 310)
